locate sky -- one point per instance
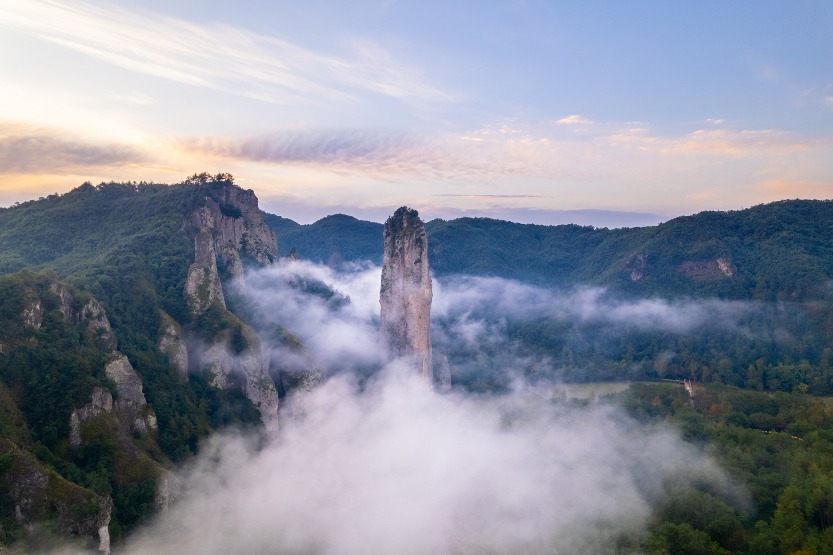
(604, 113)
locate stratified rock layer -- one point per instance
(406, 293)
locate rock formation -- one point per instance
(37, 493)
(405, 293)
(173, 344)
(237, 228)
(91, 315)
(203, 288)
(228, 229)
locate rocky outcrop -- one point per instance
(229, 229)
(203, 288)
(36, 493)
(719, 268)
(168, 488)
(223, 367)
(92, 315)
(635, 266)
(405, 295)
(130, 399)
(173, 345)
(100, 402)
(237, 228)
(95, 318)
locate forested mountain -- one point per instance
(117, 351)
(782, 250)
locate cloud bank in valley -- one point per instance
(394, 468)
(382, 465)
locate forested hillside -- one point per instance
(93, 280)
(782, 250)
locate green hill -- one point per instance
(782, 250)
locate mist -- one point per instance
(478, 324)
(392, 467)
(379, 463)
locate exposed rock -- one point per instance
(128, 383)
(66, 303)
(168, 488)
(293, 255)
(130, 399)
(173, 345)
(251, 364)
(727, 266)
(720, 268)
(32, 315)
(202, 287)
(37, 492)
(231, 230)
(405, 293)
(238, 229)
(100, 401)
(94, 315)
(636, 266)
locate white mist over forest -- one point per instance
(383, 465)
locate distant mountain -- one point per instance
(332, 240)
(782, 250)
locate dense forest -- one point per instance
(777, 446)
(781, 250)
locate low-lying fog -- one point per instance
(385, 466)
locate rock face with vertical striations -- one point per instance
(228, 231)
(406, 293)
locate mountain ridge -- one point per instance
(782, 249)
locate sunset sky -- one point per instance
(604, 113)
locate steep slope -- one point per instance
(119, 354)
(73, 403)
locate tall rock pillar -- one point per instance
(406, 294)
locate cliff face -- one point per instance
(237, 228)
(229, 230)
(405, 294)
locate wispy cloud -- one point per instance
(492, 196)
(39, 150)
(217, 55)
(379, 153)
(573, 120)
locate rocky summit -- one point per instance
(405, 293)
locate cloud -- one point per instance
(383, 465)
(216, 55)
(343, 336)
(393, 468)
(375, 152)
(39, 150)
(573, 120)
(492, 196)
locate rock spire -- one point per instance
(406, 294)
